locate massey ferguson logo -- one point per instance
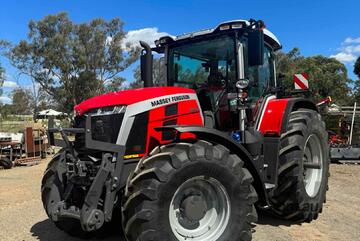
(169, 100)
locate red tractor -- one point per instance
(192, 160)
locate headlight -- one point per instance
(107, 110)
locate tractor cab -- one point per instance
(229, 67)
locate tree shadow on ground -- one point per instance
(46, 231)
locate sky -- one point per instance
(330, 28)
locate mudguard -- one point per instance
(275, 114)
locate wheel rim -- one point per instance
(313, 165)
(199, 210)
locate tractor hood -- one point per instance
(128, 97)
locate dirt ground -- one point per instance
(22, 217)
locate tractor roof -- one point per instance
(270, 38)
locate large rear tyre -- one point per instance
(192, 192)
(304, 168)
(6, 163)
(52, 191)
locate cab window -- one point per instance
(261, 76)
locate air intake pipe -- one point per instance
(146, 62)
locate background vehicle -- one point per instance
(190, 161)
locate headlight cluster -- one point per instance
(107, 110)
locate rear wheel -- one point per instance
(192, 192)
(6, 163)
(304, 168)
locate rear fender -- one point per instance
(276, 112)
(293, 105)
(218, 137)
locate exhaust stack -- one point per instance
(146, 62)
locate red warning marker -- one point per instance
(301, 81)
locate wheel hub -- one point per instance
(312, 165)
(199, 210)
(194, 207)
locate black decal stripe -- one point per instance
(171, 109)
(168, 134)
(136, 143)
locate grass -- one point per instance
(12, 126)
(16, 124)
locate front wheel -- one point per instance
(53, 190)
(192, 192)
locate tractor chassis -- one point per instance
(110, 171)
(108, 177)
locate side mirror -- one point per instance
(256, 47)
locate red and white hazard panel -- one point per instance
(301, 81)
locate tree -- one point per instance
(22, 101)
(159, 73)
(72, 62)
(357, 67)
(357, 82)
(3, 46)
(327, 76)
(115, 84)
(2, 73)
(5, 110)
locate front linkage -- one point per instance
(107, 177)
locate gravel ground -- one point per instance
(22, 217)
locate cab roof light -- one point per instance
(163, 40)
(237, 25)
(225, 27)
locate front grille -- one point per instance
(105, 125)
(106, 128)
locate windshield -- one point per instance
(210, 62)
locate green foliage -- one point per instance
(72, 62)
(188, 76)
(3, 46)
(357, 67)
(327, 76)
(357, 91)
(2, 73)
(115, 84)
(159, 73)
(5, 110)
(357, 82)
(21, 102)
(137, 83)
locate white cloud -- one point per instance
(149, 35)
(350, 40)
(344, 57)
(352, 49)
(5, 100)
(349, 50)
(10, 84)
(108, 40)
